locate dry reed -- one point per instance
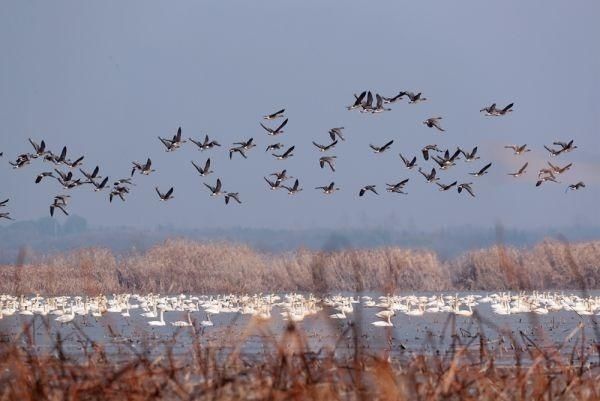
(181, 265)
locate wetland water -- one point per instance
(250, 326)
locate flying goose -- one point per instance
(60, 207)
(144, 169)
(232, 195)
(366, 188)
(177, 141)
(62, 199)
(454, 156)
(467, 187)
(281, 176)
(574, 187)
(118, 190)
(367, 106)
(6, 215)
(381, 149)
(4, 202)
(545, 171)
(173, 144)
(246, 145)
(521, 171)
(99, 186)
(168, 144)
(166, 196)
(553, 152)
(566, 147)
(294, 189)
(445, 187)
(22, 160)
(394, 99)
(76, 163)
(447, 161)
(483, 170)
(429, 177)
(330, 160)
(277, 131)
(273, 185)
(379, 108)
(329, 189)
(469, 157)
(92, 175)
(70, 184)
(428, 148)
(415, 98)
(337, 131)
(216, 190)
(126, 181)
(489, 110)
(494, 111)
(40, 149)
(203, 171)
(357, 101)
(277, 114)
(434, 122)
(518, 150)
(60, 202)
(50, 157)
(398, 187)
(559, 170)
(207, 144)
(287, 154)
(503, 111)
(238, 149)
(64, 176)
(325, 148)
(42, 175)
(62, 157)
(549, 177)
(410, 164)
(275, 146)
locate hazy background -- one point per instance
(107, 78)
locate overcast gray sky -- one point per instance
(106, 78)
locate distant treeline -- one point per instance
(182, 265)
(46, 236)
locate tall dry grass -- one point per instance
(546, 265)
(181, 265)
(291, 370)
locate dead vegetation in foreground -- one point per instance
(181, 265)
(289, 370)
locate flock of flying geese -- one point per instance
(364, 102)
(292, 307)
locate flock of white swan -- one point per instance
(292, 307)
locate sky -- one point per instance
(107, 78)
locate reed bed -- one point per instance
(180, 265)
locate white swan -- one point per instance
(160, 322)
(415, 312)
(66, 318)
(384, 323)
(207, 322)
(182, 323)
(463, 312)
